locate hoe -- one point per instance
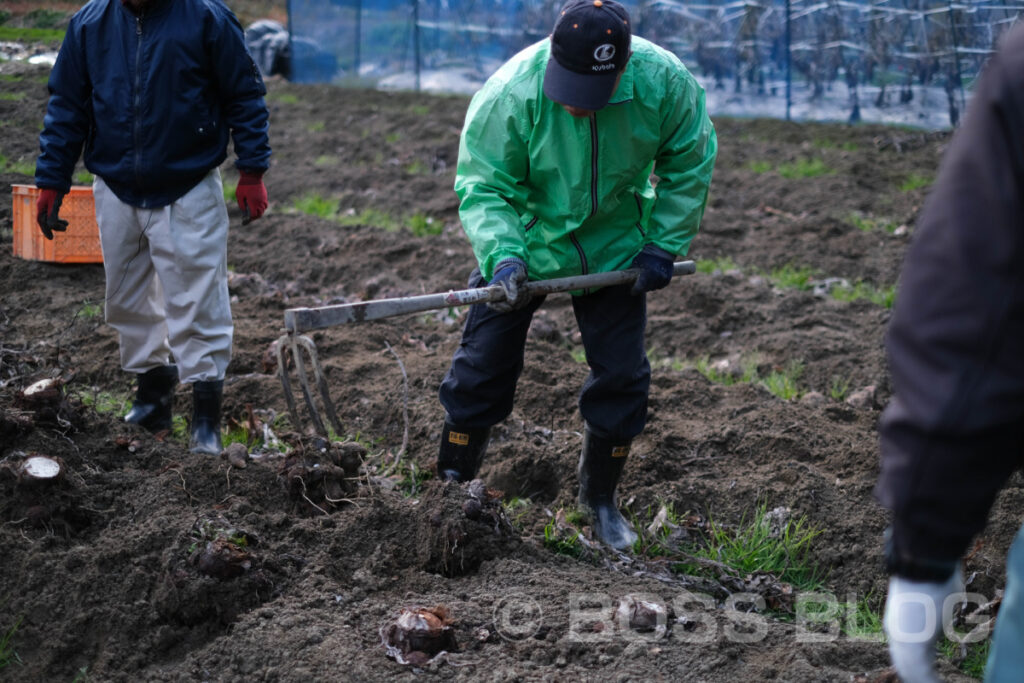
(297, 321)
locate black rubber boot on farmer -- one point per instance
(600, 468)
(462, 452)
(206, 399)
(154, 398)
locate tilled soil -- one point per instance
(145, 562)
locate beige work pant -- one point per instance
(167, 288)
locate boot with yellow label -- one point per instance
(600, 468)
(462, 452)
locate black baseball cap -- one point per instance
(589, 47)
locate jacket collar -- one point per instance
(624, 93)
(155, 7)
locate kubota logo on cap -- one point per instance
(603, 53)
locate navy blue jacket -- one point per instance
(152, 99)
(953, 433)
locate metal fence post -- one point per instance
(416, 39)
(789, 61)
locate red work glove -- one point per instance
(47, 210)
(251, 194)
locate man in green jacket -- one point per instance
(554, 179)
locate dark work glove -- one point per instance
(251, 194)
(655, 266)
(511, 275)
(47, 210)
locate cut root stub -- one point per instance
(419, 635)
(41, 469)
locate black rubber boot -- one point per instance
(154, 397)
(206, 398)
(600, 468)
(462, 452)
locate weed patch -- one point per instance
(804, 168)
(8, 655)
(314, 204)
(719, 265)
(915, 181)
(882, 296)
(10, 34)
(792, 277)
(783, 382)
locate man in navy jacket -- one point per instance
(151, 91)
(954, 432)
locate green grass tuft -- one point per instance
(916, 181)
(563, 541)
(783, 383)
(102, 401)
(283, 98)
(717, 374)
(26, 168)
(8, 655)
(422, 225)
(804, 168)
(710, 266)
(970, 658)
(10, 34)
(884, 296)
(792, 277)
(755, 546)
(839, 389)
(314, 204)
(374, 218)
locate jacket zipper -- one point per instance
(137, 97)
(640, 213)
(584, 267)
(593, 163)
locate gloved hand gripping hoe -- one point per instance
(297, 321)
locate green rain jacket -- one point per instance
(574, 195)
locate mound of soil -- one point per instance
(145, 562)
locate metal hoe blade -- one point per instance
(299, 320)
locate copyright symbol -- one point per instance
(517, 617)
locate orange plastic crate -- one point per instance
(79, 244)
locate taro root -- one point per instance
(44, 400)
(419, 635)
(237, 454)
(43, 390)
(642, 616)
(322, 476)
(348, 455)
(221, 558)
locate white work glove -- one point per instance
(913, 621)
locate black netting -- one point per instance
(899, 61)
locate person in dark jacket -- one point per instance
(954, 431)
(152, 90)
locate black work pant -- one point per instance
(479, 388)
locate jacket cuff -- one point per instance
(513, 261)
(655, 250)
(902, 564)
